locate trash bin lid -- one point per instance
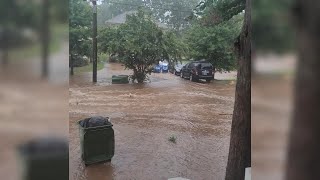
(95, 121)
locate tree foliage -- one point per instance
(271, 25)
(60, 10)
(140, 44)
(213, 12)
(80, 16)
(15, 16)
(214, 31)
(171, 13)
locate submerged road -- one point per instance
(146, 116)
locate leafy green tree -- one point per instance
(272, 26)
(140, 44)
(215, 43)
(171, 13)
(104, 13)
(59, 10)
(15, 16)
(80, 16)
(212, 12)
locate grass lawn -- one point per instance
(88, 68)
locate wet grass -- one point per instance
(173, 139)
(88, 68)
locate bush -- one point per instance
(113, 58)
(79, 61)
(173, 139)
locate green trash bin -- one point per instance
(45, 158)
(120, 79)
(97, 143)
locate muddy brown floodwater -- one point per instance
(145, 116)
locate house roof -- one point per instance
(121, 18)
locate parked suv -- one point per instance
(197, 70)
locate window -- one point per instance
(191, 65)
(207, 66)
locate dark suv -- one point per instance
(197, 70)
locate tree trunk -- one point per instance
(45, 38)
(240, 141)
(304, 147)
(71, 66)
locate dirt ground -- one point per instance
(145, 116)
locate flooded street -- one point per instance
(28, 111)
(145, 116)
(31, 107)
(271, 108)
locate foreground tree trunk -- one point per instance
(45, 38)
(240, 141)
(304, 147)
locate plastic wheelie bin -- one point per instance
(44, 158)
(120, 79)
(96, 140)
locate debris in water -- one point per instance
(173, 139)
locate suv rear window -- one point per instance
(207, 66)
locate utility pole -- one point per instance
(94, 41)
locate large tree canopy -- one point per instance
(216, 25)
(271, 25)
(15, 16)
(80, 16)
(213, 12)
(140, 44)
(171, 13)
(215, 43)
